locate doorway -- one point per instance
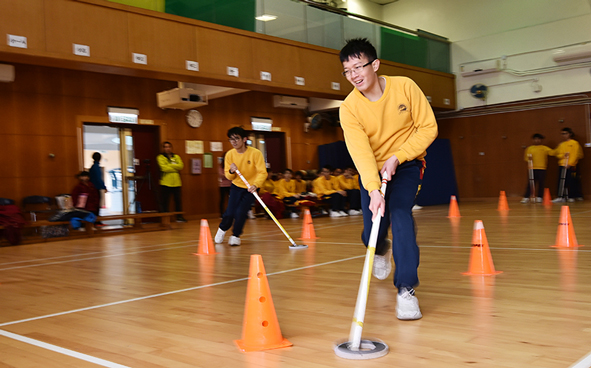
(128, 165)
(272, 145)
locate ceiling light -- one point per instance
(266, 17)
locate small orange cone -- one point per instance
(308, 227)
(565, 236)
(454, 210)
(260, 329)
(205, 246)
(547, 197)
(481, 262)
(503, 205)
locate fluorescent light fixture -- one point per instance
(123, 115)
(266, 17)
(262, 124)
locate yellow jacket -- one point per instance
(169, 170)
(322, 186)
(301, 186)
(400, 123)
(574, 150)
(267, 187)
(539, 156)
(250, 163)
(285, 188)
(347, 184)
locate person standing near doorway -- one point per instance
(252, 166)
(170, 179)
(96, 178)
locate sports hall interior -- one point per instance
(150, 299)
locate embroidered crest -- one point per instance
(248, 162)
(401, 108)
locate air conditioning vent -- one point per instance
(573, 54)
(181, 98)
(290, 102)
(481, 67)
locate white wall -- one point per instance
(525, 31)
(367, 8)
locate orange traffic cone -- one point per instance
(565, 236)
(454, 210)
(260, 329)
(503, 205)
(205, 246)
(547, 197)
(481, 262)
(308, 227)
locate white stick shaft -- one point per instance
(360, 305)
(256, 195)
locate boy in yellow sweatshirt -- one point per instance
(388, 125)
(286, 191)
(251, 164)
(349, 182)
(538, 153)
(568, 153)
(326, 187)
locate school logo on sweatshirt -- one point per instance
(248, 162)
(401, 108)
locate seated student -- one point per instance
(267, 194)
(286, 191)
(350, 184)
(301, 184)
(85, 196)
(327, 189)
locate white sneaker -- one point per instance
(571, 199)
(323, 211)
(382, 265)
(343, 213)
(294, 215)
(580, 199)
(558, 200)
(407, 306)
(251, 215)
(219, 236)
(234, 241)
(354, 213)
(539, 199)
(525, 200)
(416, 207)
(334, 214)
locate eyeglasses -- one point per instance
(232, 140)
(356, 69)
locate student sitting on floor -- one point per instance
(327, 189)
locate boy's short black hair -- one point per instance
(83, 173)
(537, 135)
(569, 131)
(357, 47)
(327, 167)
(96, 156)
(238, 130)
(288, 170)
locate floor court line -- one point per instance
(171, 292)
(60, 350)
(584, 362)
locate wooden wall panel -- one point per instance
(321, 69)
(26, 19)
(488, 150)
(103, 29)
(276, 58)
(444, 87)
(167, 44)
(218, 50)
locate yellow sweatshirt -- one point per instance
(322, 186)
(574, 150)
(301, 186)
(539, 155)
(250, 163)
(285, 189)
(347, 184)
(267, 187)
(169, 170)
(400, 123)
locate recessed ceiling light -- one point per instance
(266, 17)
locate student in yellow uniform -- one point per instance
(388, 125)
(301, 184)
(170, 179)
(286, 191)
(539, 156)
(568, 167)
(350, 184)
(327, 189)
(251, 164)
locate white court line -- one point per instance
(57, 349)
(585, 362)
(170, 293)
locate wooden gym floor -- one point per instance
(144, 300)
